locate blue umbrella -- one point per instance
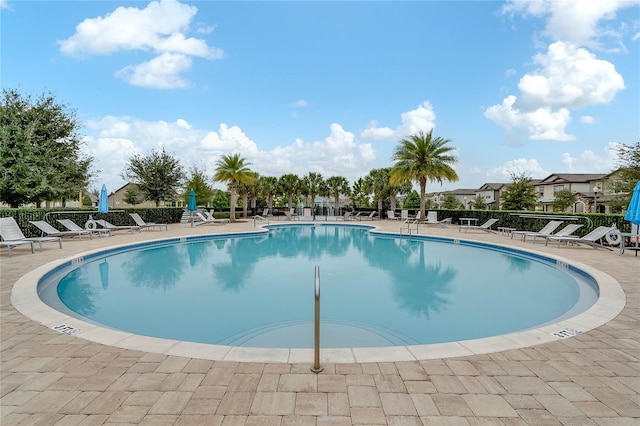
(633, 211)
(192, 201)
(103, 203)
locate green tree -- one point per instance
(422, 158)
(268, 186)
(450, 202)
(197, 181)
(158, 175)
(233, 170)
(313, 184)
(396, 189)
(377, 184)
(219, 201)
(412, 201)
(248, 189)
(520, 194)
(479, 203)
(132, 196)
(359, 196)
(337, 185)
(628, 175)
(563, 200)
(290, 185)
(40, 151)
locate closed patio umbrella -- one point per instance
(103, 202)
(633, 211)
(191, 206)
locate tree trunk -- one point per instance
(245, 205)
(423, 192)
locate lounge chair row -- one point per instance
(12, 235)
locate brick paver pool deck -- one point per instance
(49, 378)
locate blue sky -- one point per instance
(539, 87)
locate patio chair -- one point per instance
(113, 228)
(370, 216)
(209, 220)
(147, 225)
(72, 226)
(391, 215)
(404, 215)
(591, 239)
(346, 216)
(290, 214)
(47, 230)
(546, 230)
(486, 227)
(432, 219)
(12, 235)
(567, 231)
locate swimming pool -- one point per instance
(377, 290)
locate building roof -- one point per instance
(493, 186)
(571, 178)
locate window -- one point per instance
(557, 188)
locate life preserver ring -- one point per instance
(91, 224)
(613, 238)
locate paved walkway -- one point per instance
(50, 378)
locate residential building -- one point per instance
(490, 192)
(588, 187)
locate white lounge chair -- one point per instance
(432, 219)
(113, 228)
(147, 225)
(404, 215)
(72, 226)
(290, 214)
(564, 232)
(391, 215)
(209, 220)
(591, 239)
(546, 230)
(50, 231)
(346, 216)
(486, 227)
(370, 216)
(12, 235)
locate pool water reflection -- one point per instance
(376, 290)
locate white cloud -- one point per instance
(113, 140)
(300, 103)
(161, 72)
(577, 21)
(4, 4)
(529, 167)
(590, 162)
(587, 119)
(160, 27)
(541, 124)
(568, 77)
(422, 118)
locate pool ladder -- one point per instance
(316, 324)
(407, 224)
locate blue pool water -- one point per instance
(375, 290)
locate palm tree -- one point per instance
(421, 158)
(248, 189)
(289, 184)
(337, 185)
(234, 170)
(268, 186)
(313, 185)
(377, 183)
